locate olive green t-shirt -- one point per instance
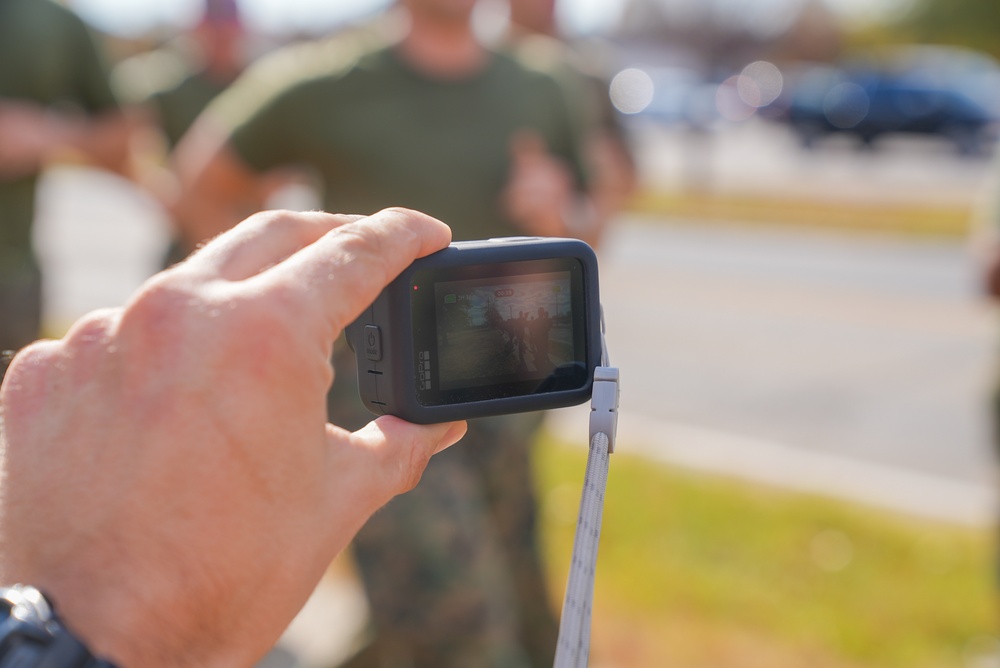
(377, 133)
(49, 57)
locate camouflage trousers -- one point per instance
(452, 569)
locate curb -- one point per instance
(798, 469)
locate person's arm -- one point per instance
(540, 196)
(168, 475)
(91, 127)
(575, 186)
(545, 194)
(216, 188)
(32, 135)
(542, 199)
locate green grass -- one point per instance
(697, 570)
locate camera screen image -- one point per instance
(504, 329)
(481, 328)
(500, 330)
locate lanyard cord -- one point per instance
(573, 649)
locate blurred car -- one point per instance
(870, 103)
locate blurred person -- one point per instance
(220, 41)
(432, 119)
(174, 524)
(169, 88)
(582, 66)
(55, 102)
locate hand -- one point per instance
(539, 189)
(27, 136)
(32, 135)
(168, 475)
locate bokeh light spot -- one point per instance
(631, 91)
(760, 83)
(846, 105)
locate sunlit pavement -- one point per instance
(854, 366)
(764, 158)
(851, 365)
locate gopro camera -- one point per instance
(482, 328)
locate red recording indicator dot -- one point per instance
(415, 288)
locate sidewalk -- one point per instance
(758, 172)
(760, 158)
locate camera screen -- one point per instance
(517, 331)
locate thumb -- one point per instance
(388, 456)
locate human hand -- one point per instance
(539, 189)
(27, 135)
(168, 475)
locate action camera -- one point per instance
(482, 328)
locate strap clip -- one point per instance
(604, 404)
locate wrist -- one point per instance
(127, 621)
(32, 634)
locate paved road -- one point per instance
(877, 349)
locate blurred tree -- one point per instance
(968, 23)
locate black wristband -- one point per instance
(32, 636)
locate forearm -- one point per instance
(32, 136)
(102, 141)
(542, 196)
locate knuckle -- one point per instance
(159, 309)
(37, 354)
(96, 327)
(360, 242)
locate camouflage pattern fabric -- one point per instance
(452, 569)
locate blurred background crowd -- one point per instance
(798, 267)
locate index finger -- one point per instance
(263, 240)
(346, 269)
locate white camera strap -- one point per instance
(573, 649)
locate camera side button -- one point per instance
(373, 343)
